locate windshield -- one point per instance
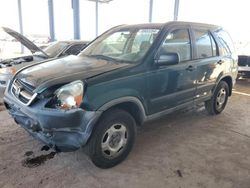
(54, 49)
(127, 45)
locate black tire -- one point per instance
(212, 106)
(111, 119)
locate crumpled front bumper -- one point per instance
(4, 79)
(59, 129)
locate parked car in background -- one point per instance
(244, 66)
(9, 67)
(129, 75)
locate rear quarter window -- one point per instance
(226, 43)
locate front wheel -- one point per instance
(219, 99)
(112, 139)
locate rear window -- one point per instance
(226, 43)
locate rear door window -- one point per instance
(205, 44)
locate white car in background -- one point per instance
(243, 65)
(8, 67)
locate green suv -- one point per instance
(125, 77)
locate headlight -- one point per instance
(70, 95)
(8, 70)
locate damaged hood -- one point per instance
(24, 41)
(65, 70)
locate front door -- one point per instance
(173, 85)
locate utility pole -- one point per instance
(176, 10)
(76, 18)
(96, 17)
(150, 10)
(51, 20)
(20, 21)
(97, 2)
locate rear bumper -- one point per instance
(63, 130)
(243, 69)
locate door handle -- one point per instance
(190, 68)
(220, 61)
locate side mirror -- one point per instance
(170, 58)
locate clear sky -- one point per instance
(231, 14)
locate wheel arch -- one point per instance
(228, 79)
(130, 104)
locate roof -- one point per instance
(73, 41)
(143, 25)
(211, 26)
(171, 23)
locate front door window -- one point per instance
(178, 41)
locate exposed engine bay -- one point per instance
(15, 61)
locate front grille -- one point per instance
(23, 91)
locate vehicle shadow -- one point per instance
(243, 85)
(243, 81)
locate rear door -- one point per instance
(173, 85)
(208, 62)
(227, 52)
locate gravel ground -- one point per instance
(184, 149)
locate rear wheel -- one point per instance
(219, 99)
(113, 138)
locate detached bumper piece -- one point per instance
(62, 130)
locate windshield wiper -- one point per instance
(99, 56)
